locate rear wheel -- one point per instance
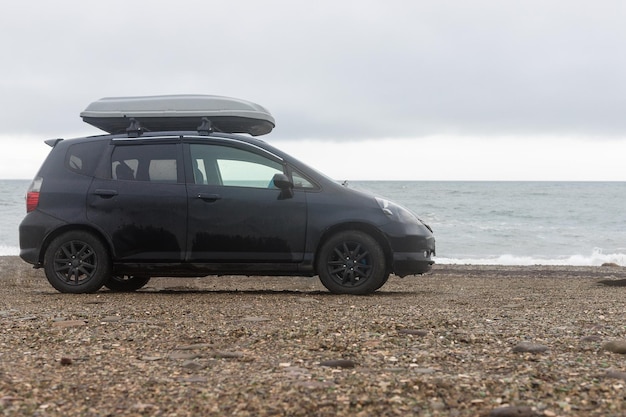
(352, 262)
(77, 262)
(126, 283)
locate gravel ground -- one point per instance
(460, 341)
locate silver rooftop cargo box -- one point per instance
(178, 112)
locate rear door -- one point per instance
(236, 213)
(141, 204)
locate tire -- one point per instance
(77, 262)
(352, 262)
(126, 283)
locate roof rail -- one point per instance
(134, 130)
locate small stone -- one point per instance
(312, 384)
(192, 379)
(513, 306)
(339, 363)
(530, 347)
(195, 366)
(307, 300)
(69, 323)
(424, 371)
(513, 411)
(151, 358)
(253, 319)
(296, 372)
(593, 338)
(437, 405)
(195, 346)
(7, 400)
(229, 355)
(143, 407)
(66, 361)
(615, 346)
(110, 319)
(414, 332)
(616, 375)
(183, 355)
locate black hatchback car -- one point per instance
(115, 210)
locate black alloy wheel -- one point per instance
(352, 262)
(77, 262)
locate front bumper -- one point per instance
(410, 263)
(412, 248)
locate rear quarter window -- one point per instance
(82, 158)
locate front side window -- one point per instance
(154, 163)
(232, 167)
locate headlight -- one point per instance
(392, 209)
(384, 206)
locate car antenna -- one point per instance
(134, 129)
(206, 128)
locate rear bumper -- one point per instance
(33, 232)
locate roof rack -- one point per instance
(202, 113)
(134, 129)
(206, 128)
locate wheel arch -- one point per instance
(70, 228)
(361, 227)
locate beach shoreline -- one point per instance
(463, 340)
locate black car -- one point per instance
(116, 209)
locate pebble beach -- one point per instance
(459, 341)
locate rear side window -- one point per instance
(154, 163)
(82, 158)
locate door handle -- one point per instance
(209, 197)
(105, 193)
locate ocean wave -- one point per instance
(596, 258)
(9, 250)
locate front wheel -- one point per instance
(126, 283)
(77, 262)
(352, 262)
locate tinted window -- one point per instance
(157, 163)
(300, 181)
(223, 165)
(82, 158)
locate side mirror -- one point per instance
(282, 182)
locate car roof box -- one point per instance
(178, 112)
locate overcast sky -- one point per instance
(414, 90)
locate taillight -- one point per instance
(32, 195)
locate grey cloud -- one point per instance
(332, 71)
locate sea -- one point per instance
(474, 222)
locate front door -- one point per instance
(236, 213)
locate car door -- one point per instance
(141, 204)
(236, 213)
